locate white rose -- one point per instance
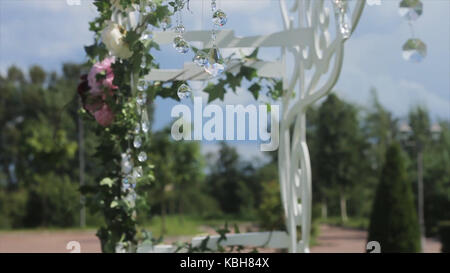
(113, 39)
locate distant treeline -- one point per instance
(39, 169)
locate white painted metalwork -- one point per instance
(306, 44)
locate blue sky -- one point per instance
(50, 32)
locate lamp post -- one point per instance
(82, 167)
(406, 133)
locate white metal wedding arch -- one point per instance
(316, 59)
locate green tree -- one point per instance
(393, 222)
(340, 148)
(226, 182)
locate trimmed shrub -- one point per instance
(394, 221)
(444, 234)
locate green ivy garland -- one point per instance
(120, 227)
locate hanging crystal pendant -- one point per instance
(414, 50)
(213, 5)
(180, 29)
(125, 183)
(137, 128)
(184, 91)
(143, 62)
(131, 198)
(142, 85)
(179, 4)
(201, 58)
(141, 98)
(137, 142)
(343, 18)
(138, 172)
(145, 123)
(126, 163)
(345, 25)
(146, 36)
(180, 45)
(411, 9)
(165, 23)
(142, 157)
(150, 7)
(219, 18)
(177, 40)
(215, 64)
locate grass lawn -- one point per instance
(187, 225)
(356, 223)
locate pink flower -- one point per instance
(104, 116)
(106, 83)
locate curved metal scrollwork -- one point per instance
(321, 56)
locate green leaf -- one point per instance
(254, 54)
(215, 92)
(248, 72)
(114, 204)
(107, 182)
(255, 88)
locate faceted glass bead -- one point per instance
(180, 45)
(165, 23)
(180, 29)
(141, 98)
(184, 91)
(201, 58)
(142, 85)
(414, 50)
(142, 157)
(215, 64)
(150, 7)
(219, 18)
(411, 9)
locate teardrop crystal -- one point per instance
(137, 142)
(145, 122)
(137, 128)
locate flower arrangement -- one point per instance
(96, 89)
(115, 94)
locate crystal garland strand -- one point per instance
(343, 18)
(179, 43)
(414, 50)
(132, 171)
(213, 62)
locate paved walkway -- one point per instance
(331, 240)
(342, 240)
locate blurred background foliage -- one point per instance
(39, 169)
